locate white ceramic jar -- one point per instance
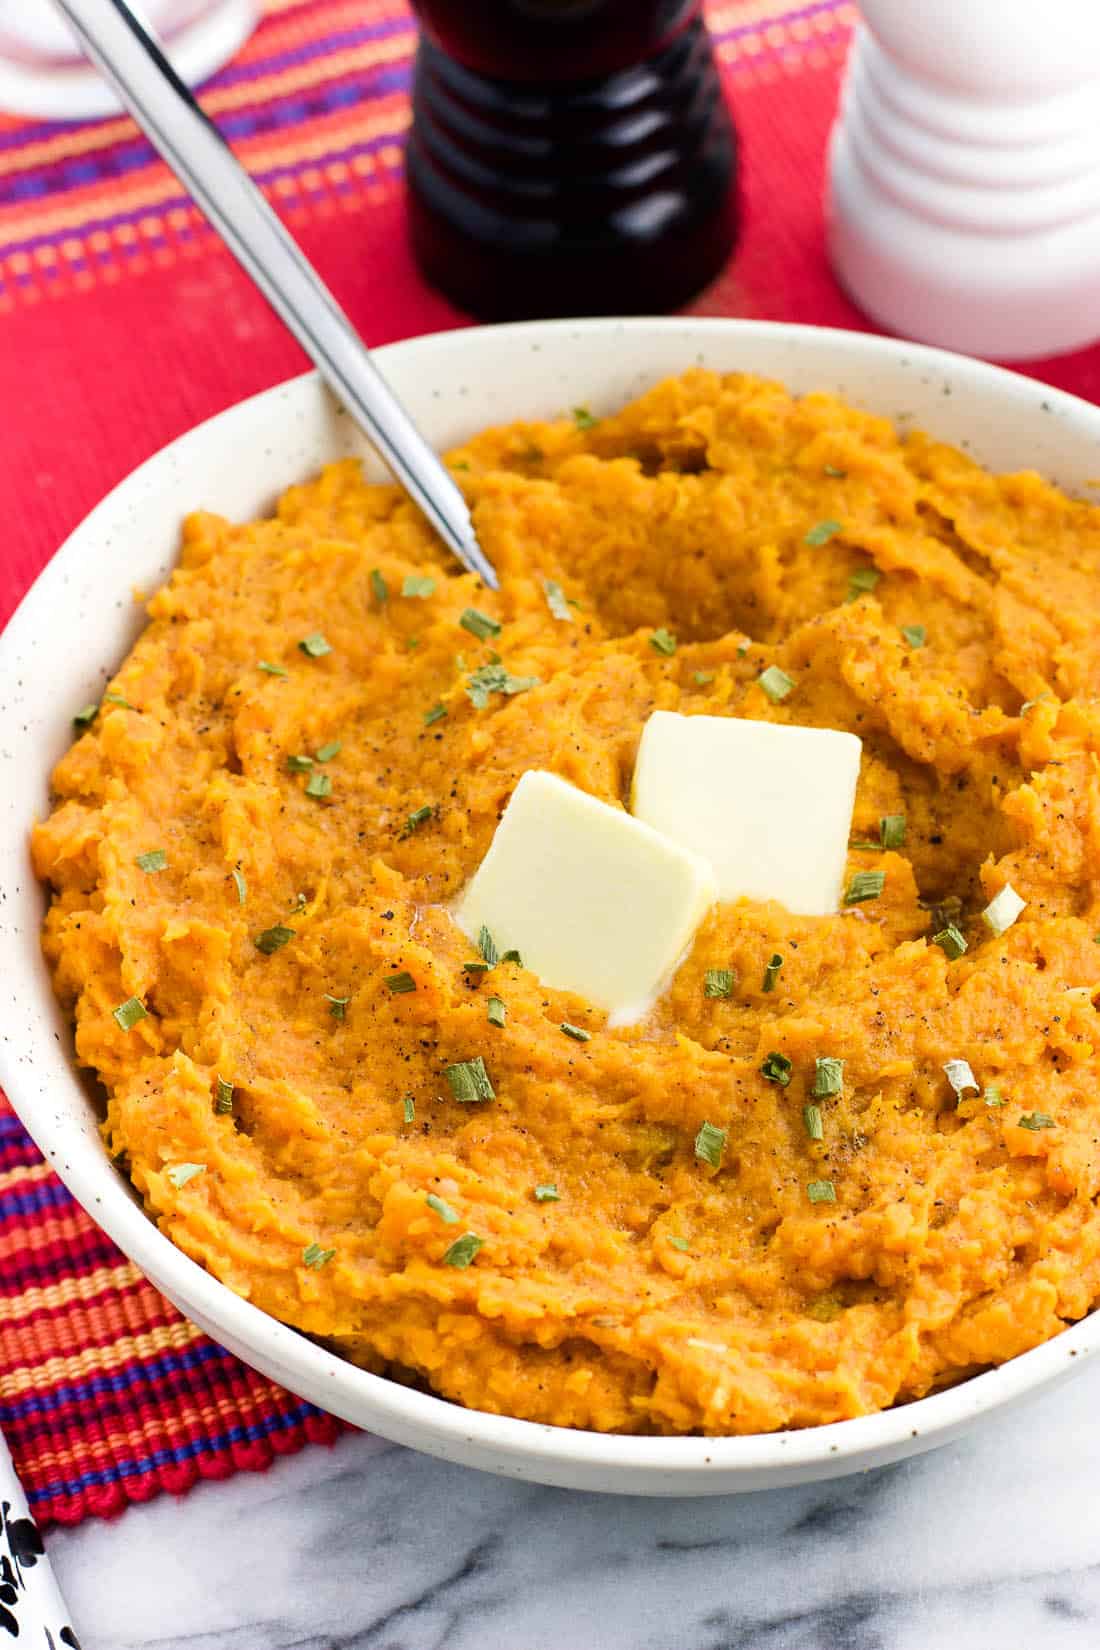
(963, 202)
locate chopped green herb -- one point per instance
(993, 1096)
(776, 683)
(436, 714)
(771, 973)
(914, 635)
(239, 884)
(299, 764)
(315, 646)
(487, 946)
(118, 699)
(950, 941)
(862, 582)
(578, 1033)
(495, 679)
(547, 1194)
(479, 967)
(512, 957)
(776, 1069)
(412, 643)
(718, 982)
(458, 464)
(463, 1250)
(272, 670)
(223, 1096)
(702, 677)
(710, 1143)
(682, 1244)
(863, 886)
(180, 1173)
(130, 1012)
(379, 586)
(338, 1006)
(84, 718)
(1036, 1120)
(583, 419)
(960, 1076)
(825, 1308)
(273, 939)
(821, 1191)
(470, 1082)
(811, 1117)
(837, 475)
(155, 860)
(418, 584)
(821, 532)
(1002, 910)
(495, 1011)
(663, 641)
(401, 984)
(318, 785)
(418, 817)
(408, 1108)
(892, 830)
(443, 1210)
(480, 624)
(556, 601)
(327, 752)
(315, 1257)
(828, 1076)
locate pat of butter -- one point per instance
(770, 806)
(594, 901)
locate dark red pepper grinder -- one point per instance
(569, 157)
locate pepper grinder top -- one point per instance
(963, 204)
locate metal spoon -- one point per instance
(131, 60)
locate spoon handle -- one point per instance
(173, 122)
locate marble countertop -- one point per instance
(991, 1541)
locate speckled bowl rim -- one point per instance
(455, 382)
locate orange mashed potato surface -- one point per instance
(657, 1293)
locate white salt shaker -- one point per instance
(963, 202)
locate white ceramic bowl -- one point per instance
(77, 623)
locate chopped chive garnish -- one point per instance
(512, 957)
(272, 670)
(315, 646)
(155, 860)
(547, 1194)
(458, 464)
(223, 1096)
(493, 678)
(776, 1069)
(338, 1006)
(118, 699)
(402, 983)
(180, 1173)
(443, 1210)
(408, 1109)
(239, 884)
(828, 1076)
(914, 635)
(583, 419)
(478, 967)
(495, 1011)
(821, 532)
(892, 830)
(811, 1117)
(418, 584)
(379, 587)
(487, 946)
(771, 973)
(1003, 909)
(436, 714)
(299, 764)
(315, 1257)
(84, 718)
(556, 601)
(1036, 1120)
(718, 982)
(837, 475)
(776, 683)
(412, 643)
(993, 1096)
(950, 941)
(710, 1143)
(418, 817)
(682, 1244)
(480, 624)
(663, 641)
(862, 582)
(821, 1191)
(273, 939)
(470, 1082)
(960, 1076)
(318, 785)
(578, 1033)
(130, 1012)
(863, 886)
(327, 752)
(463, 1250)
(702, 677)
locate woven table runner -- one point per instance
(122, 323)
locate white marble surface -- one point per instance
(991, 1542)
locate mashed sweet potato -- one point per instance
(656, 1293)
